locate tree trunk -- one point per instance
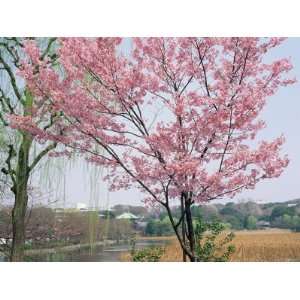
(18, 223)
(183, 229)
(21, 200)
(190, 229)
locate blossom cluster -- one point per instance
(175, 115)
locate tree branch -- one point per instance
(11, 75)
(41, 155)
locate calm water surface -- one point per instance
(109, 253)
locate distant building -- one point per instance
(84, 208)
(81, 207)
(263, 224)
(127, 216)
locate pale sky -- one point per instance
(282, 115)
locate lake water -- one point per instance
(109, 253)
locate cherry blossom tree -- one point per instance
(176, 117)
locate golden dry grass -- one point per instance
(267, 246)
(254, 246)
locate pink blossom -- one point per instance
(174, 116)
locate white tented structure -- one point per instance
(127, 216)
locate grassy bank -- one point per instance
(254, 246)
(272, 245)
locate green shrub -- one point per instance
(151, 254)
(211, 245)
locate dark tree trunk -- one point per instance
(18, 223)
(183, 227)
(186, 237)
(21, 200)
(190, 229)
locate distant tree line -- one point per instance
(245, 215)
(238, 216)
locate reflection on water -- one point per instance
(109, 253)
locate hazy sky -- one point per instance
(282, 115)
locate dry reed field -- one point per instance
(254, 246)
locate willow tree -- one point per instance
(19, 153)
(176, 117)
